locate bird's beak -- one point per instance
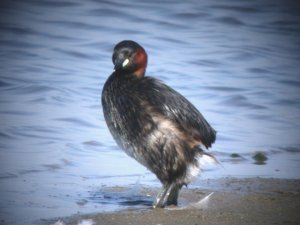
(121, 63)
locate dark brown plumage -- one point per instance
(153, 123)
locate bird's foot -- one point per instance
(167, 196)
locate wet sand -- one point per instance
(233, 201)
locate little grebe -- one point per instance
(153, 123)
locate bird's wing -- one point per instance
(125, 118)
(178, 109)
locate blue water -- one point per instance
(238, 62)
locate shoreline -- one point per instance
(230, 201)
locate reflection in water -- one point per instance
(238, 63)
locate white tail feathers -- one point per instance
(193, 170)
(206, 159)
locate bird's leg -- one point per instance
(167, 196)
(158, 202)
(172, 195)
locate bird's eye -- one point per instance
(127, 53)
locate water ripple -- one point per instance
(109, 12)
(35, 132)
(239, 9)
(33, 89)
(224, 89)
(228, 20)
(4, 84)
(242, 101)
(19, 44)
(76, 121)
(54, 3)
(75, 25)
(7, 175)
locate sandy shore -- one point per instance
(233, 201)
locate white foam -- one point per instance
(82, 222)
(202, 203)
(86, 222)
(59, 222)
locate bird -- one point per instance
(155, 124)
